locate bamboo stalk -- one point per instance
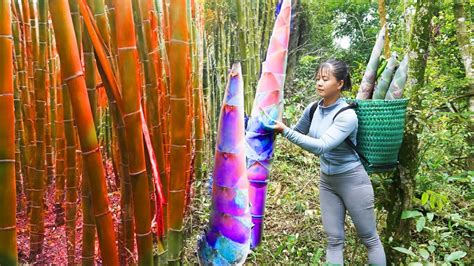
(26, 98)
(89, 226)
(154, 81)
(71, 180)
(60, 158)
(130, 78)
(178, 54)
(48, 134)
(243, 47)
(19, 81)
(104, 63)
(8, 248)
(38, 181)
(72, 71)
(159, 25)
(198, 58)
(88, 223)
(90, 71)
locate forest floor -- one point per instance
(55, 244)
(293, 230)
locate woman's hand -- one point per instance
(271, 124)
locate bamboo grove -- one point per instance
(115, 96)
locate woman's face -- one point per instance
(327, 84)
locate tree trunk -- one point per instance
(402, 187)
(466, 50)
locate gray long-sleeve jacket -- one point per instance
(325, 138)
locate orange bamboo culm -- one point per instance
(38, 179)
(153, 100)
(71, 179)
(74, 78)
(126, 241)
(179, 124)
(130, 81)
(8, 248)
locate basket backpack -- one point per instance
(367, 164)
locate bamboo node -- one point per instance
(127, 48)
(143, 235)
(177, 190)
(6, 36)
(7, 161)
(179, 41)
(132, 113)
(100, 14)
(7, 228)
(137, 173)
(102, 214)
(85, 153)
(76, 75)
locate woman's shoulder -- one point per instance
(349, 114)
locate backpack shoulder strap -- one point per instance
(312, 110)
(351, 105)
(349, 142)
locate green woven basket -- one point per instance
(380, 132)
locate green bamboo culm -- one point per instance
(380, 131)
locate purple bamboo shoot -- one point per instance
(227, 238)
(269, 97)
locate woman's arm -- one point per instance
(303, 124)
(342, 127)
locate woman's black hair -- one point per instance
(339, 69)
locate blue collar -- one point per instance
(331, 106)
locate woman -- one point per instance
(344, 184)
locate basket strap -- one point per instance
(350, 143)
(312, 110)
(347, 140)
(384, 166)
(351, 105)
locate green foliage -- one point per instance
(444, 194)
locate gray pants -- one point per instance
(351, 190)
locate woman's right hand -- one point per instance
(271, 124)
